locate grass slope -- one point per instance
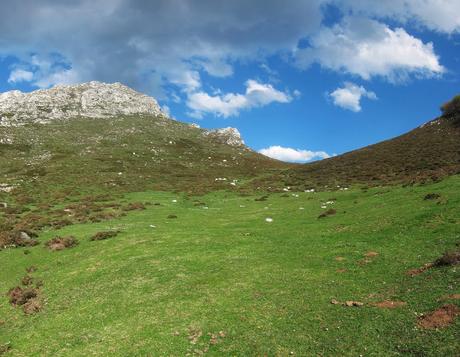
(427, 153)
(224, 281)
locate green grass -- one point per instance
(266, 286)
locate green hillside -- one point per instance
(143, 236)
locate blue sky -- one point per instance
(301, 80)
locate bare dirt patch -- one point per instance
(418, 271)
(61, 243)
(371, 254)
(389, 304)
(439, 318)
(339, 259)
(450, 297)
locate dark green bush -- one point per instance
(452, 107)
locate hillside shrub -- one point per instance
(452, 107)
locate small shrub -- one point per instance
(104, 235)
(134, 206)
(432, 196)
(60, 243)
(447, 259)
(452, 107)
(329, 212)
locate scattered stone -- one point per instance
(334, 302)
(171, 216)
(269, 220)
(351, 303)
(439, 318)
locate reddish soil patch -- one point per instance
(388, 304)
(371, 254)
(60, 243)
(27, 298)
(104, 235)
(414, 272)
(439, 318)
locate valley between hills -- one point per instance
(124, 232)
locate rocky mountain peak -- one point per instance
(92, 99)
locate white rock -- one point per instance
(230, 136)
(269, 220)
(92, 100)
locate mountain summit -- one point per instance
(91, 100)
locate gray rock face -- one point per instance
(229, 136)
(92, 99)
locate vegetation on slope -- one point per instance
(427, 153)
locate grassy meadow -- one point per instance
(208, 275)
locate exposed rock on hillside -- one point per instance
(93, 100)
(229, 136)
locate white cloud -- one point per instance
(437, 15)
(349, 96)
(20, 75)
(293, 155)
(117, 40)
(230, 104)
(368, 48)
(61, 76)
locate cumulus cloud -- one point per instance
(368, 48)
(150, 45)
(293, 155)
(230, 104)
(437, 15)
(349, 96)
(20, 75)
